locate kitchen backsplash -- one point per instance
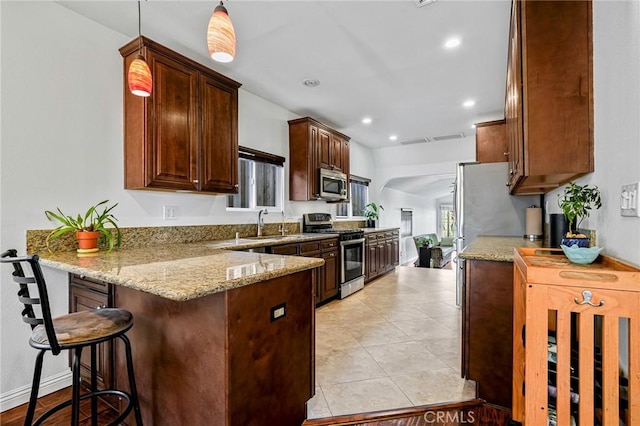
(149, 236)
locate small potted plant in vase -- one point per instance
(576, 203)
(372, 212)
(89, 228)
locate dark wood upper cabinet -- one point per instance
(185, 135)
(313, 145)
(491, 142)
(549, 98)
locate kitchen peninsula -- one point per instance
(487, 315)
(220, 336)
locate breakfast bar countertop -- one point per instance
(498, 249)
(182, 271)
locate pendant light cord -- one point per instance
(139, 30)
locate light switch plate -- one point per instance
(170, 212)
(629, 200)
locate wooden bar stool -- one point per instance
(74, 332)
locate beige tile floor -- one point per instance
(394, 344)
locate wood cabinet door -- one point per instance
(381, 257)
(396, 252)
(372, 260)
(491, 142)
(331, 268)
(487, 332)
(82, 300)
(336, 152)
(513, 107)
(313, 163)
(325, 148)
(218, 137)
(172, 134)
(286, 249)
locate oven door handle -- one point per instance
(349, 242)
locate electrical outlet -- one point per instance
(170, 212)
(629, 200)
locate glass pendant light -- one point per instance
(139, 76)
(221, 37)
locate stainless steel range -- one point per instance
(351, 250)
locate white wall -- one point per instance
(427, 159)
(424, 218)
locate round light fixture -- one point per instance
(311, 82)
(367, 120)
(393, 138)
(468, 103)
(452, 42)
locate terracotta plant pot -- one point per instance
(87, 240)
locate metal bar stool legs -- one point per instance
(35, 387)
(132, 380)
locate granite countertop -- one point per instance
(185, 271)
(499, 249)
(372, 230)
(267, 241)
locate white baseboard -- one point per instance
(19, 396)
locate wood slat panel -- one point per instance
(563, 367)
(585, 360)
(610, 389)
(536, 357)
(634, 367)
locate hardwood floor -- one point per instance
(15, 416)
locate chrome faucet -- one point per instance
(261, 221)
(282, 228)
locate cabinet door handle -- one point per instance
(506, 154)
(101, 306)
(586, 300)
(236, 185)
(333, 255)
(195, 181)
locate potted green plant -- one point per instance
(424, 242)
(372, 212)
(576, 203)
(89, 227)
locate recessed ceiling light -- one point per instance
(473, 126)
(452, 42)
(468, 103)
(311, 82)
(367, 120)
(393, 138)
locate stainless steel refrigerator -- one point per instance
(483, 206)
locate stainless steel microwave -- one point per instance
(333, 185)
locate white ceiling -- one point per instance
(430, 187)
(382, 59)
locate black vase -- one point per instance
(558, 227)
(371, 223)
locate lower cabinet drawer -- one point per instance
(306, 248)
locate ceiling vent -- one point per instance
(433, 139)
(414, 141)
(445, 137)
(421, 3)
